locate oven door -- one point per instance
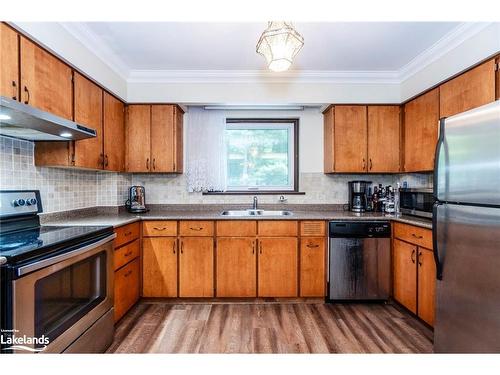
(61, 297)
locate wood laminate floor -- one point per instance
(162, 327)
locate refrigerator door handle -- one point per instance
(435, 243)
(439, 144)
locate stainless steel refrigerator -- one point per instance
(466, 232)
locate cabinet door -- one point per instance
(471, 89)
(159, 267)
(383, 138)
(421, 132)
(88, 112)
(114, 133)
(277, 267)
(126, 288)
(405, 274)
(162, 138)
(46, 82)
(350, 139)
(179, 140)
(426, 285)
(196, 267)
(312, 267)
(9, 63)
(138, 127)
(236, 267)
(328, 141)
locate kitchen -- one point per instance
(245, 203)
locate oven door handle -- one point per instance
(50, 261)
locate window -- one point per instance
(261, 154)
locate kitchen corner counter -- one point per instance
(117, 217)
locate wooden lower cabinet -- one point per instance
(196, 267)
(278, 267)
(426, 285)
(312, 267)
(159, 267)
(236, 267)
(405, 274)
(127, 281)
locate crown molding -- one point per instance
(447, 43)
(97, 46)
(262, 76)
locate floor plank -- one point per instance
(269, 327)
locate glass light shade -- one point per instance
(279, 44)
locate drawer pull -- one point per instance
(310, 245)
(174, 245)
(128, 253)
(160, 229)
(420, 258)
(128, 273)
(182, 247)
(196, 228)
(253, 247)
(260, 248)
(413, 256)
(128, 233)
(419, 237)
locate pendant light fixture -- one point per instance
(279, 44)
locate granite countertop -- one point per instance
(116, 217)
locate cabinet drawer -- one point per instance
(126, 233)
(159, 228)
(126, 253)
(236, 228)
(126, 288)
(277, 228)
(312, 228)
(196, 228)
(413, 234)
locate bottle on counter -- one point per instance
(375, 199)
(396, 199)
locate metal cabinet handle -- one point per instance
(128, 253)
(310, 245)
(364, 164)
(253, 247)
(160, 229)
(106, 160)
(101, 159)
(147, 164)
(128, 273)
(154, 163)
(371, 164)
(174, 246)
(419, 237)
(260, 247)
(128, 233)
(413, 256)
(27, 93)
(182, 247)
(14, 86)
(196, 229)
(419, 258)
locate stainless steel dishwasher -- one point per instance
(359, 260)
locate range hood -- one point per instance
(23, 121)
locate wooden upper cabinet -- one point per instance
(350, 139)
(405, 274)
(426, 285)
(421, 127)
(114, 133)
(471, 89)
(88, 112)
(138, 138)
(328, 134)
(46, 82)
(178, 140)
(9, 63)
(497, 61)
(383, 138)
(162, 138)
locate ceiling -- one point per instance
(339, 46)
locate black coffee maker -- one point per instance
(358, 195)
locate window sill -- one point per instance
(245, 192)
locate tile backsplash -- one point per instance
(67, 189)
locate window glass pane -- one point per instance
(258, 158)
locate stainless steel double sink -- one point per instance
(252, 212)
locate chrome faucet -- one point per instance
(255, 203)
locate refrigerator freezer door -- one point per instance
(468, 157)
(468, 295)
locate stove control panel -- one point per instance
(19, 202)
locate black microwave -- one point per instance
(417, 202)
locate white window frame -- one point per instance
(291, 154)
